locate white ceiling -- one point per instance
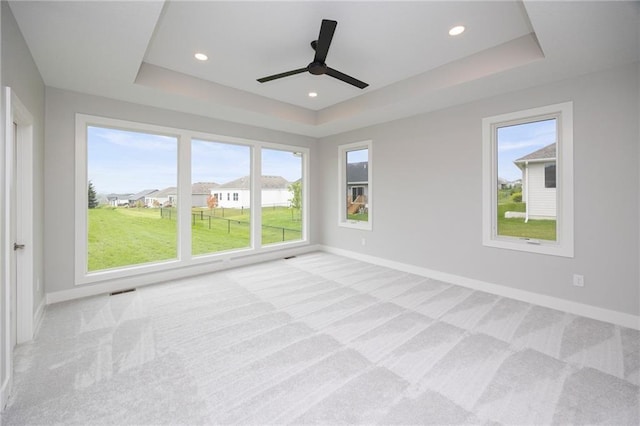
(143, 52)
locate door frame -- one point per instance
(15, 111)
(19, 114)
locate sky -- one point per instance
(122, 161)
(358, 156)
(514, 142)
(125, 162)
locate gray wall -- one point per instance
(21, 74)
(61, 107)
(427, 175)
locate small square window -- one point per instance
(550, 176)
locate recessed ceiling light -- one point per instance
(312, 94)
(201, 56)
(457, 30)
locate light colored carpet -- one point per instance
(322, 339)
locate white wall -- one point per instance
(541, 200)
(61, 107)
(278, 197)
(420, 221)
(21, 74)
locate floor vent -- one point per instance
(289, 257)
(129, 290)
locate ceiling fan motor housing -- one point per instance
(317, 68)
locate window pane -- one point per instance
(221, 197)
(357, 185)
(131, 198)
(550, 176)
(281, 196)
(526, 184)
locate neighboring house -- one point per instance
(164, 198)
(141, 197)
(118, 200)
(503, 183)
(236, 194)
(200, 192)
(357, 187)
(539, 182)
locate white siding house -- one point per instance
(539, 182)
(164, 198)
(118, 200)
(200, 192)
(237, 193)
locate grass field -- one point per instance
(535, 229)
(364, 217)
(121, 237)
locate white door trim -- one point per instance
(6, 370)
(19, 114)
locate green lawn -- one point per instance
(535, 229)
(363, 217)
(121, 237)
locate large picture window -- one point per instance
(356, 186)
(124, 169)
(281, 189)
(219, 224)
(151, 198)
(528, 180)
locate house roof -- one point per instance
(543, 154)
(268, 182)
(203, 187)
(118, 196)
(358, 172)
(142, 194)
(172, 190)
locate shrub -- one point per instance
(517, 197)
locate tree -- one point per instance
(93, 198)
(212, 201)
(296, 191)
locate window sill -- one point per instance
(532, 246)
(365, 226)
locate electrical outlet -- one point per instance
(578, 280)
(364, 241)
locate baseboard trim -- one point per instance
(38, 317)
(4, 392)
(118, 284)
(589, 311)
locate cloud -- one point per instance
(133, 140)
(512, 146)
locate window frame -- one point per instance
(564, 244)
(184, 258)
(343, 220)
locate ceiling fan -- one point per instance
(318, 66)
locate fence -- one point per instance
(215, 220)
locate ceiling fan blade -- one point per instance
(324, 40)
(281, 75)
(346, 78)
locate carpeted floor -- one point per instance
(322, 339)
